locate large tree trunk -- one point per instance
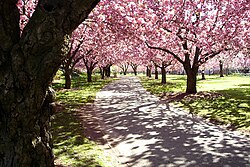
(163, 75)
(27, 66)
(191, 80)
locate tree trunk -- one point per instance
(191, 80)
(134, 67)
(28, 63)
(107, 70)
(147, 72)
(89, 75)
(102, 71)
(135, 72)
(24, 131)
(203, 75)
(67, 75)
(156, 72)
(227, 71)
(163, 74)
(221, 69)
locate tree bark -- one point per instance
(89, 75)
(147, 71)
(102, 71)
(67, 75)
(227, 71)
(156, 72)
(135, 72)
(163, 75)
(191, 70)
(221, 69)
(107, 71)
(134, 67)
(27, 66)
(191, 79)
(67, 81)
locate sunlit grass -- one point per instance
(174, 83)
(232, 108)
(70, 146)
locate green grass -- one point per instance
(175, 83)
(231, 108)
(70, 146)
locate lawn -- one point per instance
(70, 146)
(222, 100)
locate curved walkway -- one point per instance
(145, 132)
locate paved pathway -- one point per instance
(145, 132)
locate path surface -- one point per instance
(145, 132)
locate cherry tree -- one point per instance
(195, 31)
(87, 52)
(107, 60)
(87, 43)
(192, 32)
(126, 55)
(26, 9)
(137, 56)
(162, 61)
(32, 48)
(72, 57)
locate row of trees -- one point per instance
(38, 36)
(184, 34)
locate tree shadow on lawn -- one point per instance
(147, 132)
(70, 145)
(71, 135)
(230, 107)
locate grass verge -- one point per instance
(70, 146)
(222, 100)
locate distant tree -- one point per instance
(72, 57)
(193, 32)
(124, 66)
(156, 71)
(134, 67)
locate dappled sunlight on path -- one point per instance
(144, 131)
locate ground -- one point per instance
(139, 129)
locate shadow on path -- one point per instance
(144, 131)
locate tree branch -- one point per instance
(167, 51)
(208, 56)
